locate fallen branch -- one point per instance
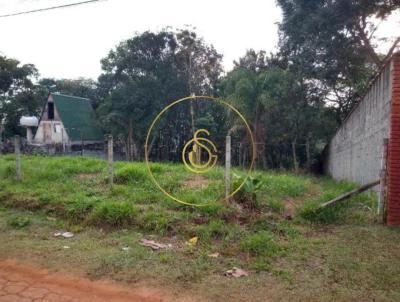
(350, 194)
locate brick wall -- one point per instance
(393, 208)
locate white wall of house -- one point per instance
(51, 132)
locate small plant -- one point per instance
(156, 221)
(130, 173)
(331, 214)
(78, 211)
(19, 222)
(261, 244)
(114, 214)
(276, 205)
(215, 229)
(247, 194)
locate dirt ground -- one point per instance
(25, 283)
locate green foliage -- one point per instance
(130, 173)
(150, 70)
(19, 222)
(345, 66)
(113, 214)
(336, 213)
(261, 243)
(157, 221)
(215, 229)
(18, 94)
(276, 205)
(79, 210)
(247, 194)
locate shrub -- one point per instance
(247, 194)
(114, 214)
(19, 222)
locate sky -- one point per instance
(70, 42)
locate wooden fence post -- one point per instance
(383, 186)
(17, 149)
(110, 160)
(228, 167)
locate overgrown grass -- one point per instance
(75, 190)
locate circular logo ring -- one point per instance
(208, 98)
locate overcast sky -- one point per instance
(69, 42)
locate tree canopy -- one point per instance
(333, 45)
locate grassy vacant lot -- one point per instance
(338, 254)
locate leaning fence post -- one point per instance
(110, 160)
(17, 149)
(383, 185)
(228, 167)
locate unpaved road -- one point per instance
(24, 283)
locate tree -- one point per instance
(81, 87)
(332, 45)
(145, 73)
(18, 95)
(281, 107)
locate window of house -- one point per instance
(50, 111)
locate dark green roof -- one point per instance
(78, 117)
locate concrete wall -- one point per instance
(393, 187)
(355, 152)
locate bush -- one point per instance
(261, 244)
(114, 214)
(19, 222)
(247, 194)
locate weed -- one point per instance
(78, 210)
(261, 244)
(215, 229)
(130, 173)
(19, 222)
(247, 194)
(155, 221)
(276, 205)
(114, 214)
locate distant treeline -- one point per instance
(294, 99)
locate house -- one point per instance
(67, 120)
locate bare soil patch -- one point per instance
(196, 182)
(25, 283)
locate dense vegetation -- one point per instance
(294, 99)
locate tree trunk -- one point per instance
(308, 154)
(130, 140)
(295, 162)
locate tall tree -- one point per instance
(18, 94)
(145, 73)
(332, 45)
(281, 107)
(81, 87)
